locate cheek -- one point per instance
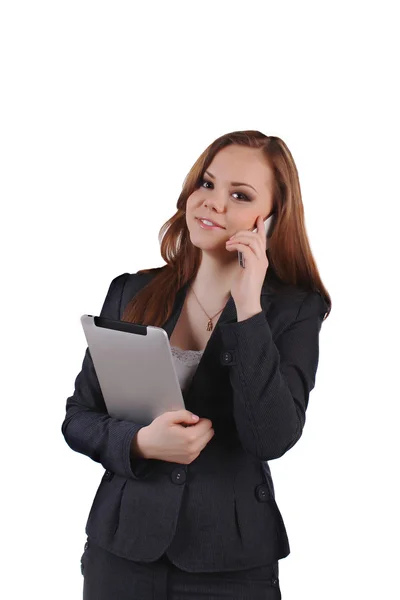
(194, 197)
(189, 203)
(192, 203)
(190, 210)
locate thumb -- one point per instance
(183, 416)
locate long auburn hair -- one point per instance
(289, 253)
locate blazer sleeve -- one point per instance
(87, 427)
(271, 382)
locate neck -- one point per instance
(215, 276)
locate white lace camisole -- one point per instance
(186, 363)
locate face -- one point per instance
(220, 199)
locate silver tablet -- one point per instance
(135, 368)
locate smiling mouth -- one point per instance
(209, 223)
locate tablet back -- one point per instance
(135, 368)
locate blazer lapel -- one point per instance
(228, 315)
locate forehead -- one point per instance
(240, 163)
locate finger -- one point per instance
(247, 250)
(207, 437)
(248, 236)
(260, 226)
(204, 426)
(246, 241)
(181, 415)
(243, 234)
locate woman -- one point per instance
(185, 512)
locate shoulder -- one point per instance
(123, 288)
(126, 285)
(289, 297)
(291, 304)
(134, 282)
(299, 301)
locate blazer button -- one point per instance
(227, 357)
(262, 493)
(178, 476)
(108, 475)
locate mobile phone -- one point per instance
(268, 230)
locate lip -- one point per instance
(215, 224)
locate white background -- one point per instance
(105, 106)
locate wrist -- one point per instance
(246, 313)
(139, 446)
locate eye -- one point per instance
(204, 181)
(244, 197)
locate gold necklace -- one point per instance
(209, 324)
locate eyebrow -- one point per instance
(233, 182)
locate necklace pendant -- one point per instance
(210, 325)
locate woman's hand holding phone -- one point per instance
(167, 438)
(246, 287)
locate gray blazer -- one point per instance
(253, 382)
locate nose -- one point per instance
(215, 202)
